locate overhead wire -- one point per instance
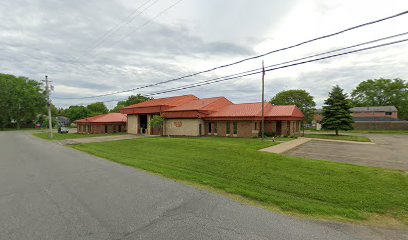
(274, 66)
(246, 59)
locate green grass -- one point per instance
(58, 136)
(307, 187)
(339, 137)
(364, 131)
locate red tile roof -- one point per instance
(206, 104)
(170, 101)
(189, 106)
(255, 110)
(106, 118)
(242, 110)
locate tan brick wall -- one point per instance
(132, 124)
(374, 114)
(183, 127)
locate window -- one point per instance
(228, 128)
(235, 128)
(209, 127)
(256, 126)
(215, 128)
(388, 113)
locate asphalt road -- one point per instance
(389, 151)
(49, 191)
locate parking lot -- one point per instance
(389, 151)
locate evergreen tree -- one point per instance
(336, 113)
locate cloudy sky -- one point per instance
(100, 46)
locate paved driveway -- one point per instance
(48, 191)
(389, 151)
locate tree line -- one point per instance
(23, 101)
(336, 112)
(76, 112)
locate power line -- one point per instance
(148, 21)
(124, 22)
(303, 58)
(276, 68)
(268, 68)
(247, 59)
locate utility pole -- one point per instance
(263, 101)
(47, 90)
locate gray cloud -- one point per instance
(39, 37)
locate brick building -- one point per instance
(107, 123)
(370, 118)
(379, 112)
(191, 116)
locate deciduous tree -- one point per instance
(21, 99)
(133, 99)
(302, 99)
(382, 92)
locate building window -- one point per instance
(235, 128)
(256, 126)
(209, 127)
(228, 128)
(215, 128)
(388, 113)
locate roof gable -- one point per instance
(170, 101)
(205, 104)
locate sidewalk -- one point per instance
(286, 146)
(102, 139)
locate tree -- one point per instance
(133, 99)
(302, 99)
(336, 113)
(21, 99)
(157, 122)
(77, 112)
(382, 92)
(97, 108)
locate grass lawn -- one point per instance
(58, 136)
(339, 137)
(364, 131)
(294, 185)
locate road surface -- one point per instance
(49, 191)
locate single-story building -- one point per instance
(190, 116)
(370, 118)
(379, 112)
(107, 123)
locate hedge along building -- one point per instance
(191, 116)
(107, 123)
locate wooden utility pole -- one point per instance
(48, 90)
(263, 100)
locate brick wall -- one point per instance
(375, 114)
(395, 125)
(100, 129)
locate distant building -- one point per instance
(107, 123)
(379, 113)
(370, 118)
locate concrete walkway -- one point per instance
(286, 146)
(340, 141)
(102, 139)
